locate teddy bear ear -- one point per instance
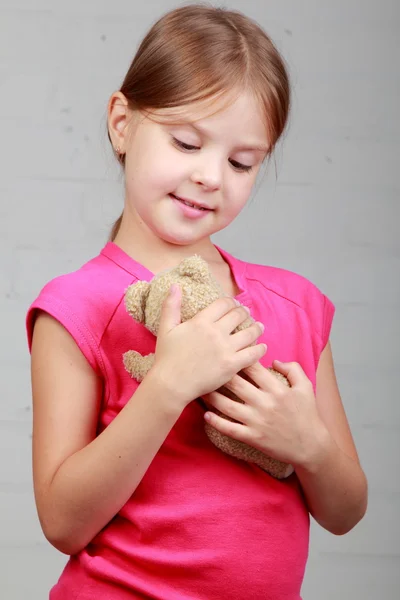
(196, 268)
(135, 300)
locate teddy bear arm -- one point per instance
(137, 365)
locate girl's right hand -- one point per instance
(202, 354)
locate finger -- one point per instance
(243, 338)
(263, 378)
(170, 315)
(217, 309)
(244, 389)
(237, 316)
(237, 431)
(230, 408)
(248, 356)
(293, 371)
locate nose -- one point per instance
(208, 175)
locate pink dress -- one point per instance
(201, 525)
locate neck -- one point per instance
(157, 254)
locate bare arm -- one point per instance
(81, 481)
(73, 470)
(334, 485)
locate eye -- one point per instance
(240, 167)
(236, 165)
(183, 145)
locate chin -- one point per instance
(180, 241)
(181, 238)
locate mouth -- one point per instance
(191, 204)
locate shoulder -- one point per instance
(289, 290)
(282, 283)
(288, 285)
(98, 283)
(83, 301)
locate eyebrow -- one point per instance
(200, 129)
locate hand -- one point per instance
(201, 354)
(281, 421)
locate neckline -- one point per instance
(238, 268)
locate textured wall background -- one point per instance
(332, 215)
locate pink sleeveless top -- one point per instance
(201, 525)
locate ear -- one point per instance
(135, 300)
(196, 268)
(121, 121)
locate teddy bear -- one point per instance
(143, 302)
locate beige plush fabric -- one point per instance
(144, 301)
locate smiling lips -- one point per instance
(197, 205)
(190, 209)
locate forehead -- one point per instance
(222, 107)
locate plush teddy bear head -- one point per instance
(144, 299)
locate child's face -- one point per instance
(210, 174)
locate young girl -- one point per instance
(126, 481)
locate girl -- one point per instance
(126, 481)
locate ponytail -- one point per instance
(115, 229)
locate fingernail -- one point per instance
(236, 302)
(261, 325)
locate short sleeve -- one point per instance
(328, 314)
(59, 308)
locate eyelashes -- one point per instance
(187, 147)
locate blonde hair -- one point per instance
(197, 52)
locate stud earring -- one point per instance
(119, 154)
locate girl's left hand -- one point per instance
(281, 421)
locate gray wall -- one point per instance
(332, 214)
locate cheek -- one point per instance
(151, 172)
(160, 170)
(237, 196)
(150, 164)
